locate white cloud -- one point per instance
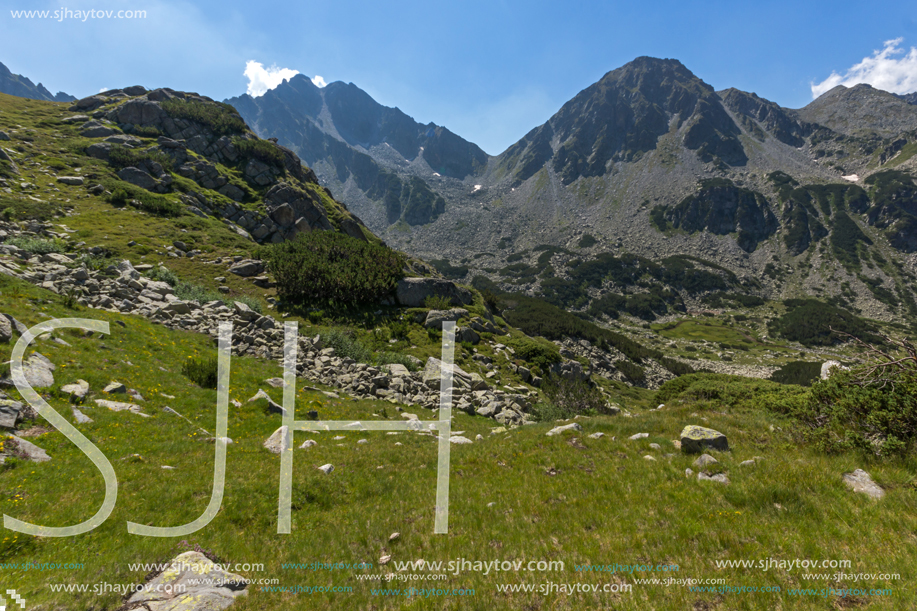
(103, 89)
(882, 70)
(319, 81)
(261, 79)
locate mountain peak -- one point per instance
(20, 86)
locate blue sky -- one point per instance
(488, 70)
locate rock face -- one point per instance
(205, 587)
(861, 481)
(695, 439)
(412, 292)
(9, 413)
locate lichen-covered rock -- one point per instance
(695, 439)
(191, 583)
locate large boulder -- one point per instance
(436, 318)
(696, 439)
(247, 268)
(192, 582)
(38, 371)
(432, 373)
(412, 292)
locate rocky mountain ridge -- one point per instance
(21, 86)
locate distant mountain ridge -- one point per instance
(20, 86)
(359, 146)
(650, 161)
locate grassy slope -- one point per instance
(603, 504)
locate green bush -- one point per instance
(347, 345)
(802, 373)
(121, 156)
(38, 246)
(222, 119)
(437, 302)
(323, 267)
(815, 323)
(163, 274)
(535, 350)
(262, 150)
(124, 194)
(202, 372)
(565, 398)
(634, 373)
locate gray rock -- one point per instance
(138, 177)
(120, 406)
(9, 413)
(639, 436)
(575, 426)
(326, 469)
(192, 583)
(29, 450)
(99, 131)
(77, 390)
(598, 435)
(80, 417)
(703, 460)
(861, 481)
(719, 477)
(73, 181)
(276, 442)
(398, 370)
(38, 371)
(458, 439)
(412, 292)
(695, 439)
(308, 443)
(115, 388)
(247, 267)
(436, 318)
(6, 330)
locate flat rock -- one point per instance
(639, 436)
(79, 389)
(458, 439)
(191, 583)
(30, 450)
(308, 443)
(695, 439)
(80, 417)
(118, 406)
(575, 426)
(326, 469)
(598, 435)
(74, 181)
(861, 481)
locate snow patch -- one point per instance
(478, 187)
(851, 177)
